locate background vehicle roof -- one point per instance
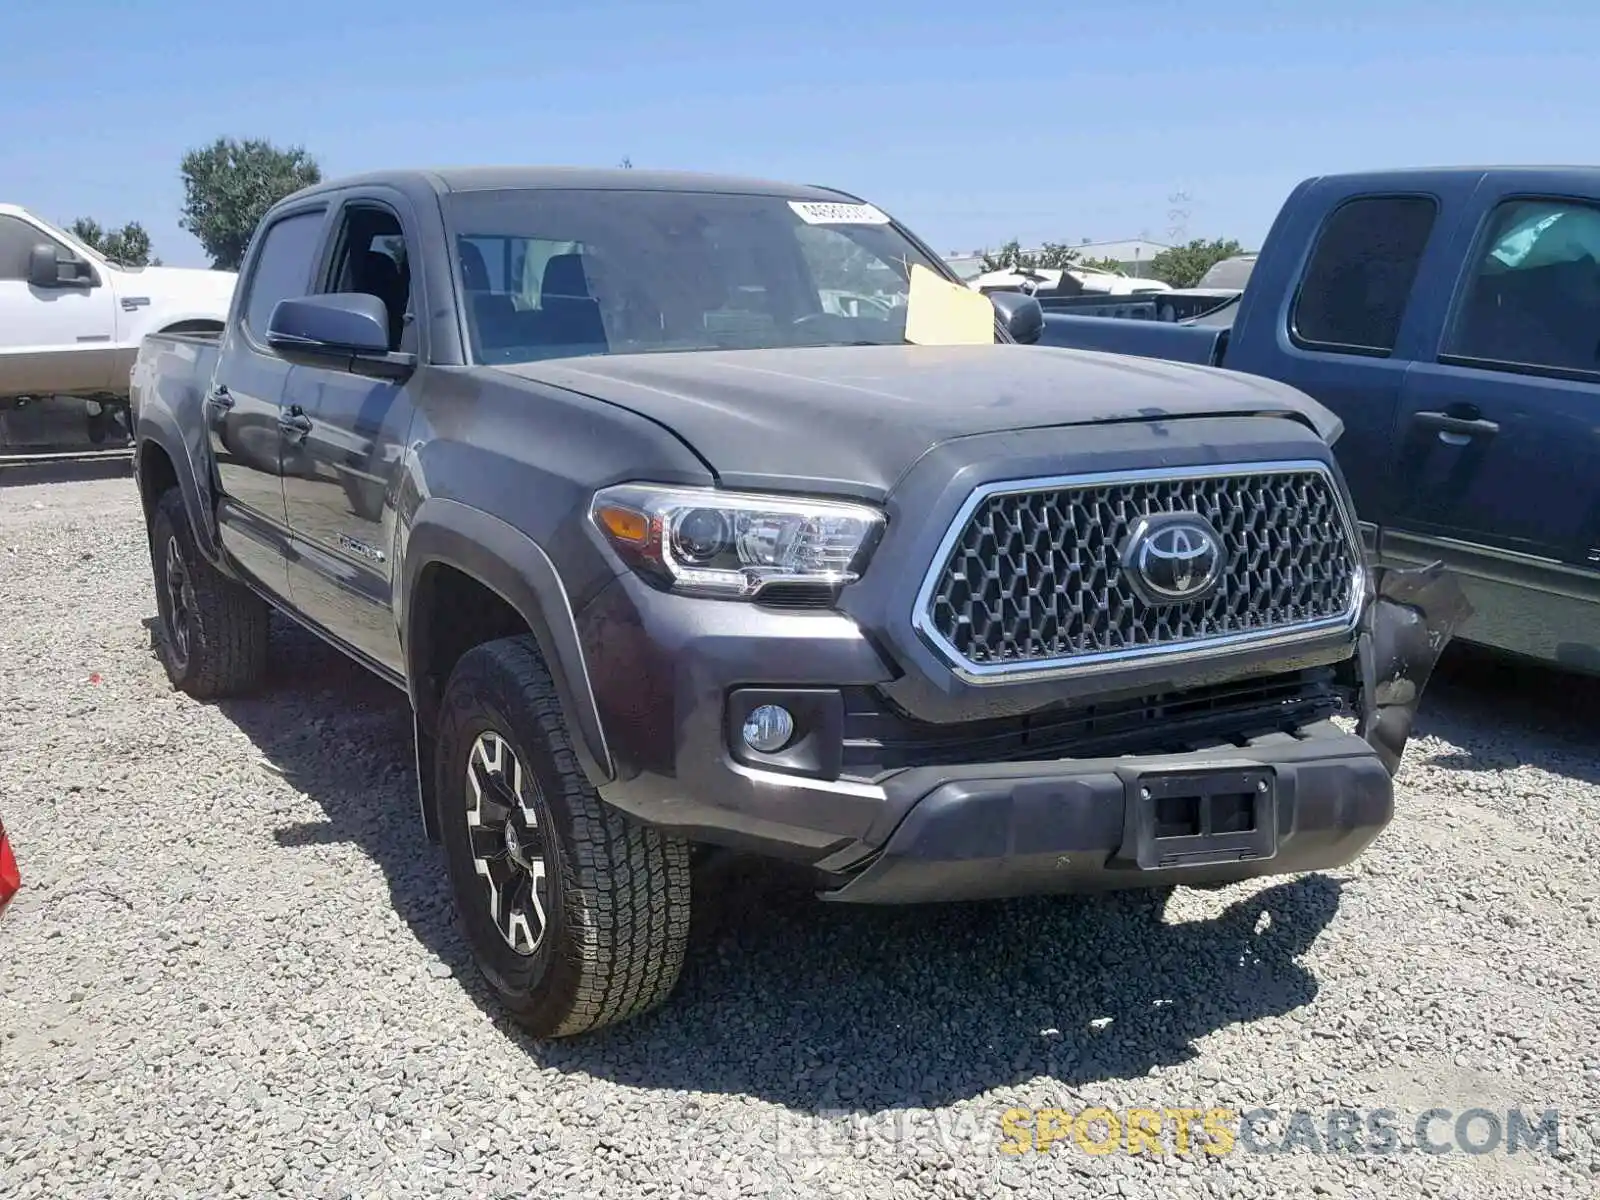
(481, 179)
(1530, 170)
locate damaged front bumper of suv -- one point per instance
(1415, 613)
(1281, 804)
(1278, 805)
(951, 827)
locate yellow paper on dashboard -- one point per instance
(941, 313)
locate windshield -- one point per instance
(552, 273)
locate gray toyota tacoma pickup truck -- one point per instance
(671, 547)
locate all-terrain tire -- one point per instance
(222, 644)
(615, 910)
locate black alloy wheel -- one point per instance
(211, 630)
(178, 592)
(576, 915)
(507, 826)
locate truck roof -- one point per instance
(528, 178)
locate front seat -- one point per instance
(493, 322)
(572, 315)
(474, 272)
(378, 275)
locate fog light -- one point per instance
(768, 728)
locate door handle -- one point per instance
(294, 421)
(220, 397)
(1442, 422)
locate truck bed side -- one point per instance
(1202, 345)
(1179, 304)
(169, 381)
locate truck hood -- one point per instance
(856, 418)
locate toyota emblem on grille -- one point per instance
(1170, 558)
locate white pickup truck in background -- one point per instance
(70, 326)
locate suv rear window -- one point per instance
(1358, 280)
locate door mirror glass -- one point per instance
(342, 322)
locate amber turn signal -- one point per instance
(624, 524)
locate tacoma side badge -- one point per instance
(361, 548)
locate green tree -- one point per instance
(1008, 258)
(1012, 257)
(229, 185)
(1183, 266)
(129, 245)
(1101, 264)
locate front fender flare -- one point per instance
(516, 568)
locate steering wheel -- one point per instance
(814, 318)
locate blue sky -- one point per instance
(1061, 120)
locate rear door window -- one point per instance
(1532, 295)
(1356, 286)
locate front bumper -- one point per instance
(1085, 825)
(668, 670)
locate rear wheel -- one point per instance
(577, 916)
(211, 631)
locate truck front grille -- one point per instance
(1037, 575)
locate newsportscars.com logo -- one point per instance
(1187, 1132)
(1219, 1131)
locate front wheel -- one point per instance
(577, 916)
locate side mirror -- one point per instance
(337, 323)
(42, 269)
(1021, 315)
(47, 269)
(346, 331)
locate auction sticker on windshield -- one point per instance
(817, 212)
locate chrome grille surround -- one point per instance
(1295, 570)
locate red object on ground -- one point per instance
(10, 876)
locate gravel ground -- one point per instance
(233, 968)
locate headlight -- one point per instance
(713, 543)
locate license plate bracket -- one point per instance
(1201, 818)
